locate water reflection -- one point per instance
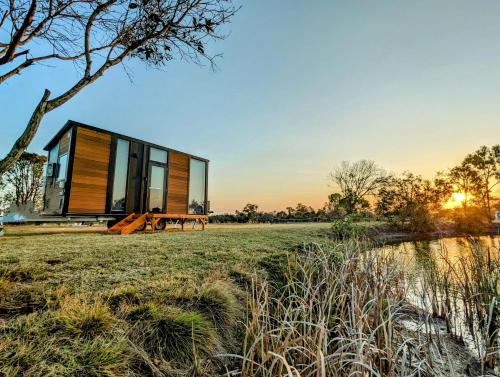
(418, 254)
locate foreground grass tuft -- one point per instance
(218, 304)
(139, 312)
(127, 295)
(176, 336)
(84, 317)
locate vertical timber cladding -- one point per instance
(64, 143)
(178, 182)
(90, 172)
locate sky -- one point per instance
(301, 86)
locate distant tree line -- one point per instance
(363, 191)
(251, 214)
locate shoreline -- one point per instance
(388, 238)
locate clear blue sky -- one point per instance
(302, 86)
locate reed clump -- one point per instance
(339, 313)
(464, 290)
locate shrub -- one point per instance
(346, 229)
(472, 222)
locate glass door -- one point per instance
(156, 189)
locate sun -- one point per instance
(456, 200)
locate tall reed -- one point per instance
(338, 314)
(465, 291)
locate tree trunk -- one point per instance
(25, 139)
(488, 203)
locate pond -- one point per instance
(418, 254)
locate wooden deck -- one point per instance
(155, 221)
(155, 218)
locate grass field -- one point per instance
(75, 301)
(76, 256)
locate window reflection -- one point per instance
(54, 152)
(156, 188)
(197, 170)
(63, 167)
(120, 178)
(158, 155)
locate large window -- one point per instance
(197, 170)
(120, 175)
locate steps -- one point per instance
(130, 224)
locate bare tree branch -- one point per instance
(29, 132)
(102, 34)
(14, 43)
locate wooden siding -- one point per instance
(90, 172)
(64, 143)
(178, 182)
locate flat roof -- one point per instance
(71, 123)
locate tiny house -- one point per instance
(95, 172)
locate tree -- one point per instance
(407, 201)
(3, 200)
(439, 191)
(290, 211)
(486, 164)
(334, 207)
(356, 181)
(465, 179)
(250, 211)
(25, 179)
(302, 211)
(96, 35)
